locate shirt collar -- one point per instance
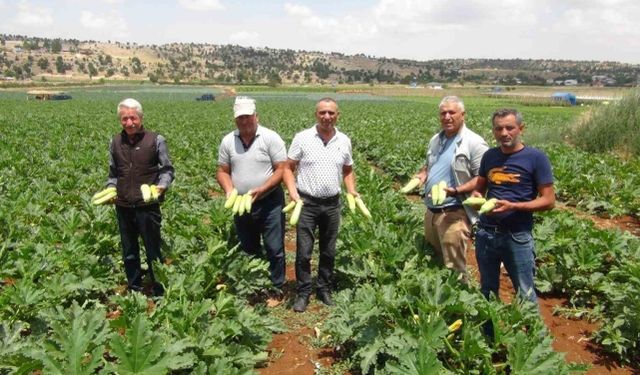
(317, 134)
(258, 131)
(458, 137)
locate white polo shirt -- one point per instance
(320, 165)
(250, 168)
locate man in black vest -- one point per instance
(136, 157)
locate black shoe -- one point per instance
(325, 297)
(301, 303)
(157, 290)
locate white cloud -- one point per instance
(32, 15)
(92, 21)
(108, 25)
(342, 30)
(201, 4)
(245, 38)
(419, 17)
(297, 10)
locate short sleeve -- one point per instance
(482, 171)
(348, 158)
(277, 149)
(543, 172)
(224, 157)
(295, 151)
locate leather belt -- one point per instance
(441, 210)
(326, 200)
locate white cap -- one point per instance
(244, 106)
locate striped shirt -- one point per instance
(320, 166)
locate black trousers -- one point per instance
(323, 214)
(144, 222)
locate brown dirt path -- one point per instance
(294, 352)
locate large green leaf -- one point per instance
(143, 351)
(76, 343)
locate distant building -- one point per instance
(603, 80)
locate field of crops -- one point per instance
(62, 305)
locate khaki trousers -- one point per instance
(449, 233)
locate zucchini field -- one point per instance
(63, 305)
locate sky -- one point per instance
(603, 30)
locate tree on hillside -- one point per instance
(43, 63)
(60, 68)
(17, 71)
(105, 60)
(92, 70)
(136, 65)
(26, 69)
(274, 79)
(56, 46)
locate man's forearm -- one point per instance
(224, 180)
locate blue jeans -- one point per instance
(514, 249)
(267, 220)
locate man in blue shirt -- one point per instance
(521, 180)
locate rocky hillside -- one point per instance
(32, 58)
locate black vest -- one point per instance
(136, 164)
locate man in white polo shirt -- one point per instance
(322, 157)
(252, 159)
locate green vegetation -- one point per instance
(62, 272)
(612, 128)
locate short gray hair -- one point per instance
(504, 112)
(452, 99)
(132, 104)
(328, 99)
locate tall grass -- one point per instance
(614, 127)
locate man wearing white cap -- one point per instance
(138, 156)
(251, 159)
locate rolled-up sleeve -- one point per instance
(166, 171)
